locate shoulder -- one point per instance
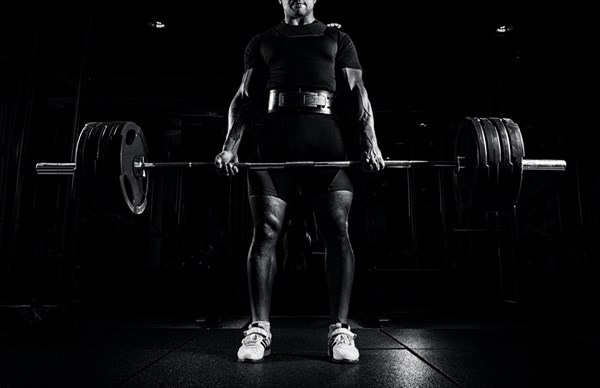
(271, 31)
(335, 29)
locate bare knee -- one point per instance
(268, 213)
(267, 229)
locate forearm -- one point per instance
(365, 118)
(241, 111)
(238, 121)
(370, 153)
(361, 107)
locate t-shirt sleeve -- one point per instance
(346, 55)
(252, 56)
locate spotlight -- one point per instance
(504, 29)
(157, 24)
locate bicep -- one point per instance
(352, 78)
(247, 96)
(252, 85)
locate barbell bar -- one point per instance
(528, 164)
(111, 165)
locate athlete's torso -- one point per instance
(301, 57)
(307, 56)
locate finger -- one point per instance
(230, 169)
(373, 164)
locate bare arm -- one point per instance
(371, 157)
(239, 118)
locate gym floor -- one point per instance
(407, 350)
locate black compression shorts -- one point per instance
(299, 136)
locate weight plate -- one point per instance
(493, 151)
(505, 180)
(517, 151)
(471, 156)
(134, 186)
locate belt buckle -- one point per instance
(311, 99)
(289, 99)
(301, 99)
(281, 98)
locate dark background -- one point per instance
(62, 66)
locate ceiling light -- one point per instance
(504, 29)
(157, 24)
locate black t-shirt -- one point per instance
(307, 56)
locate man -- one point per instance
(308, 71)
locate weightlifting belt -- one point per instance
(317, 101)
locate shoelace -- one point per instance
(343, 339)
(251, 339)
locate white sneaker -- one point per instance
(256, 344)
(341, 347)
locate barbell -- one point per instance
(111, 165)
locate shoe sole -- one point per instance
(251, 361)
(344, 361)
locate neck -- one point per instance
(306, 19)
